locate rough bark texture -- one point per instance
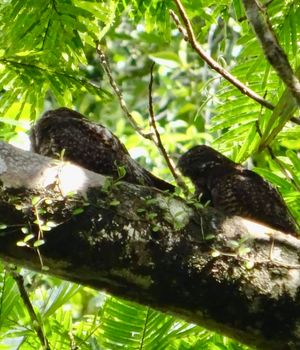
(141, 244)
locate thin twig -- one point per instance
(271, 47)
(158, 140)
(149, 136)
(34, 319)
(118, 92)
(189, 36)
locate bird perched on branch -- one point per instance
(235, 190)
(90, 145)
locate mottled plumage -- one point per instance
(234, 189)
(89, 145)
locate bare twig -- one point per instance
(272, 49)
(150, 136)
(118, 92)
(158, 140)
(189, 36)
(34, 319)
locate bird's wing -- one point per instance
(246, 194)
(89, 145)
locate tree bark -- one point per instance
(224, 273)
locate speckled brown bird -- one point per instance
(90, 145)
(235, 190)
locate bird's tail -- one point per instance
(159, 183)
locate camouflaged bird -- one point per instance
(235, 190)
(90, 145)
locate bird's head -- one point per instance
(200, 160)
(62, 112)
(57, 118)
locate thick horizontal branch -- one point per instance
(144, 245)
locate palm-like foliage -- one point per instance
(106, 323)
(47, 58)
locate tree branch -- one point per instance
(272, 49)
(286, 74)
(189, 36)
(34, 319)
(149, 136)
(143, 245)
(158, 140)
(118, 92)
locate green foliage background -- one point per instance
(48, 59)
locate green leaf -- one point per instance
(58, 296)
(28, 237)
(35, 200)
(114, 202)
(167, 59)
(38, 243)
(121, 171)
(238, 9)
(129, 325)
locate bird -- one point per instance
(235, 190)
(90, 145)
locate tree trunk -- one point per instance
(224, 273)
